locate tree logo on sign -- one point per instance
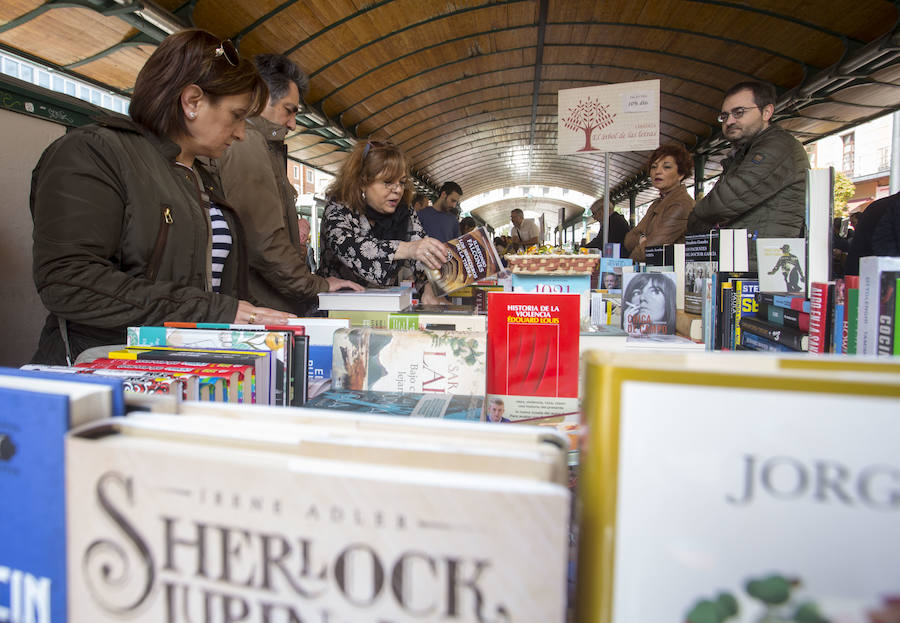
(587, 116)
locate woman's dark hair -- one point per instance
(185, 58)
(369, 162)
(642, 280)
(467, 225)
(679, 154)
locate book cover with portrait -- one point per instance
(648, 304)
(471, 257)
(532, 362)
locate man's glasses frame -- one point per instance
(737, 113)
(226, 48)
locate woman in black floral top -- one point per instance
(369, 232)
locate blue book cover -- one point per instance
(118, 395)
(32, 489)
(442, 406)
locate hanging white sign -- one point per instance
(615, 117)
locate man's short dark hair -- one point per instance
(516, 211)
(450, 187)
(763, 94)
(418, 198)
(279, 72)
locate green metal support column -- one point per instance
(699, 175)
(632, 207)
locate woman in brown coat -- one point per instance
(666, 219)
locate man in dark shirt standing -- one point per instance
(440, 220)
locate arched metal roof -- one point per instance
(469, 88)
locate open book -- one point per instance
(470, 258)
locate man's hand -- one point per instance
(335, 284)
(303, 229)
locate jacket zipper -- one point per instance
(160, 245)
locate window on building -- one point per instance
(296, 172)
(297, 188)
(310, 176)
(27, 73)
(58, 84)
(10, 67)
(884, 158)
(43, 79)
(847, 161)
(70, 88)
(84, 93)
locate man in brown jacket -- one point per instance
(254, 176)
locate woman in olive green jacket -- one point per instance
(128, 229)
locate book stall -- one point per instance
(559, 442)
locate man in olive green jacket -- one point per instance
(763, 187)
(254, 176)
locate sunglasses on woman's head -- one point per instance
(227, 49)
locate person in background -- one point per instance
(419, 202)
(368, 229)
(666, 218)
(254, 176)
(618, 226)
(440, 220)
(877, 232)
(763, 186)
(524, 233)
(466, 225)
(129, 229)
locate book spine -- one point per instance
(852, 319)
(896, 315)
(790, 302)
(751, 341)
(886, 304)
(820, 316)
(839, 339)
(791, 338)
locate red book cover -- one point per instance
(820, 302)
(532, 362)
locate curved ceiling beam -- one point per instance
(592, 66)
(431, 118)
(134, 41)
(236, 38)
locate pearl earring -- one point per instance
(192, 115)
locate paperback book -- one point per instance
(611, 273)
(425, 405)
(442, 362)
(701, 260)
(533, 346)
(372, 299)
(363, 541)
(648, 304)
(782, 265)
(470, 258)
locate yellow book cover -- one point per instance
(746, 486)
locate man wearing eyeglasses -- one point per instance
(254, 176)
(763, 186)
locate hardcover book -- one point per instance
(443, 362)
(701, 261)
(372, 299)
(749, 494)
(533, 345)
(36, 412)
(782, 265)
(611, 273)
(363, 542)
(887, 300)
(792, 338)
(441, 406)
(438, 321)
(870, 269)
(648, 303)
(821, 317)
(470, 258)
(321, 339)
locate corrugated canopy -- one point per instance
(469, 88)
